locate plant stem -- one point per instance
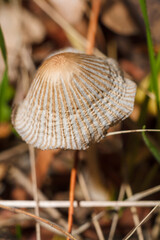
(71, 192)
(35, 193)
(154, 82)
(43, 221)
(93, 25)
(89, 50)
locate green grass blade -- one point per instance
(3, 86)
(3, 47)
(154, 82)
(155, 152)
(18, 232)
(6, 91)
(158, 63)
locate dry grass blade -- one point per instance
(145, 193)
(131, 131)
(83, 204)
(134, 214)
(116, 216)
(142, 222)
(90, 204)
(87, 197)
(86, 225)
(40, 220)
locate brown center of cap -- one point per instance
(62, 64)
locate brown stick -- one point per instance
(93, 25)
(71, 192)
(40, 220)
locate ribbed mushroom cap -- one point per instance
(73, 100)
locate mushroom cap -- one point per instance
(73, 100)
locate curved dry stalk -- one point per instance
(131, 131)
(87, 224)
(85, 192)
(82, 204)
(40, 220)
(142, 222)
(143, 194)
(134, 214)
(116, 215)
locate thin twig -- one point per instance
(131, 131)
(21, 148)
(117, 203)
(87, 197)
(143, 221)
(40, 220)
(86, 225)
(93, 25)
(134, 214)
(116, 215)
(83, 204)
(35, 193)
(144, 194)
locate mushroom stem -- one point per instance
(71, 192)
(89, 50)
(35, 191)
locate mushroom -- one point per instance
(73, 100)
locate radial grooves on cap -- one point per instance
(43, 125)
(93, 90)
(52, 116)
(82, 118)
(90, 90)
(64, 121)
(36, 114)
(58, 133)
(83, 108)
(74, 129)
(72, 101)
(91, 112)
(25, 111)
(69, 107)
